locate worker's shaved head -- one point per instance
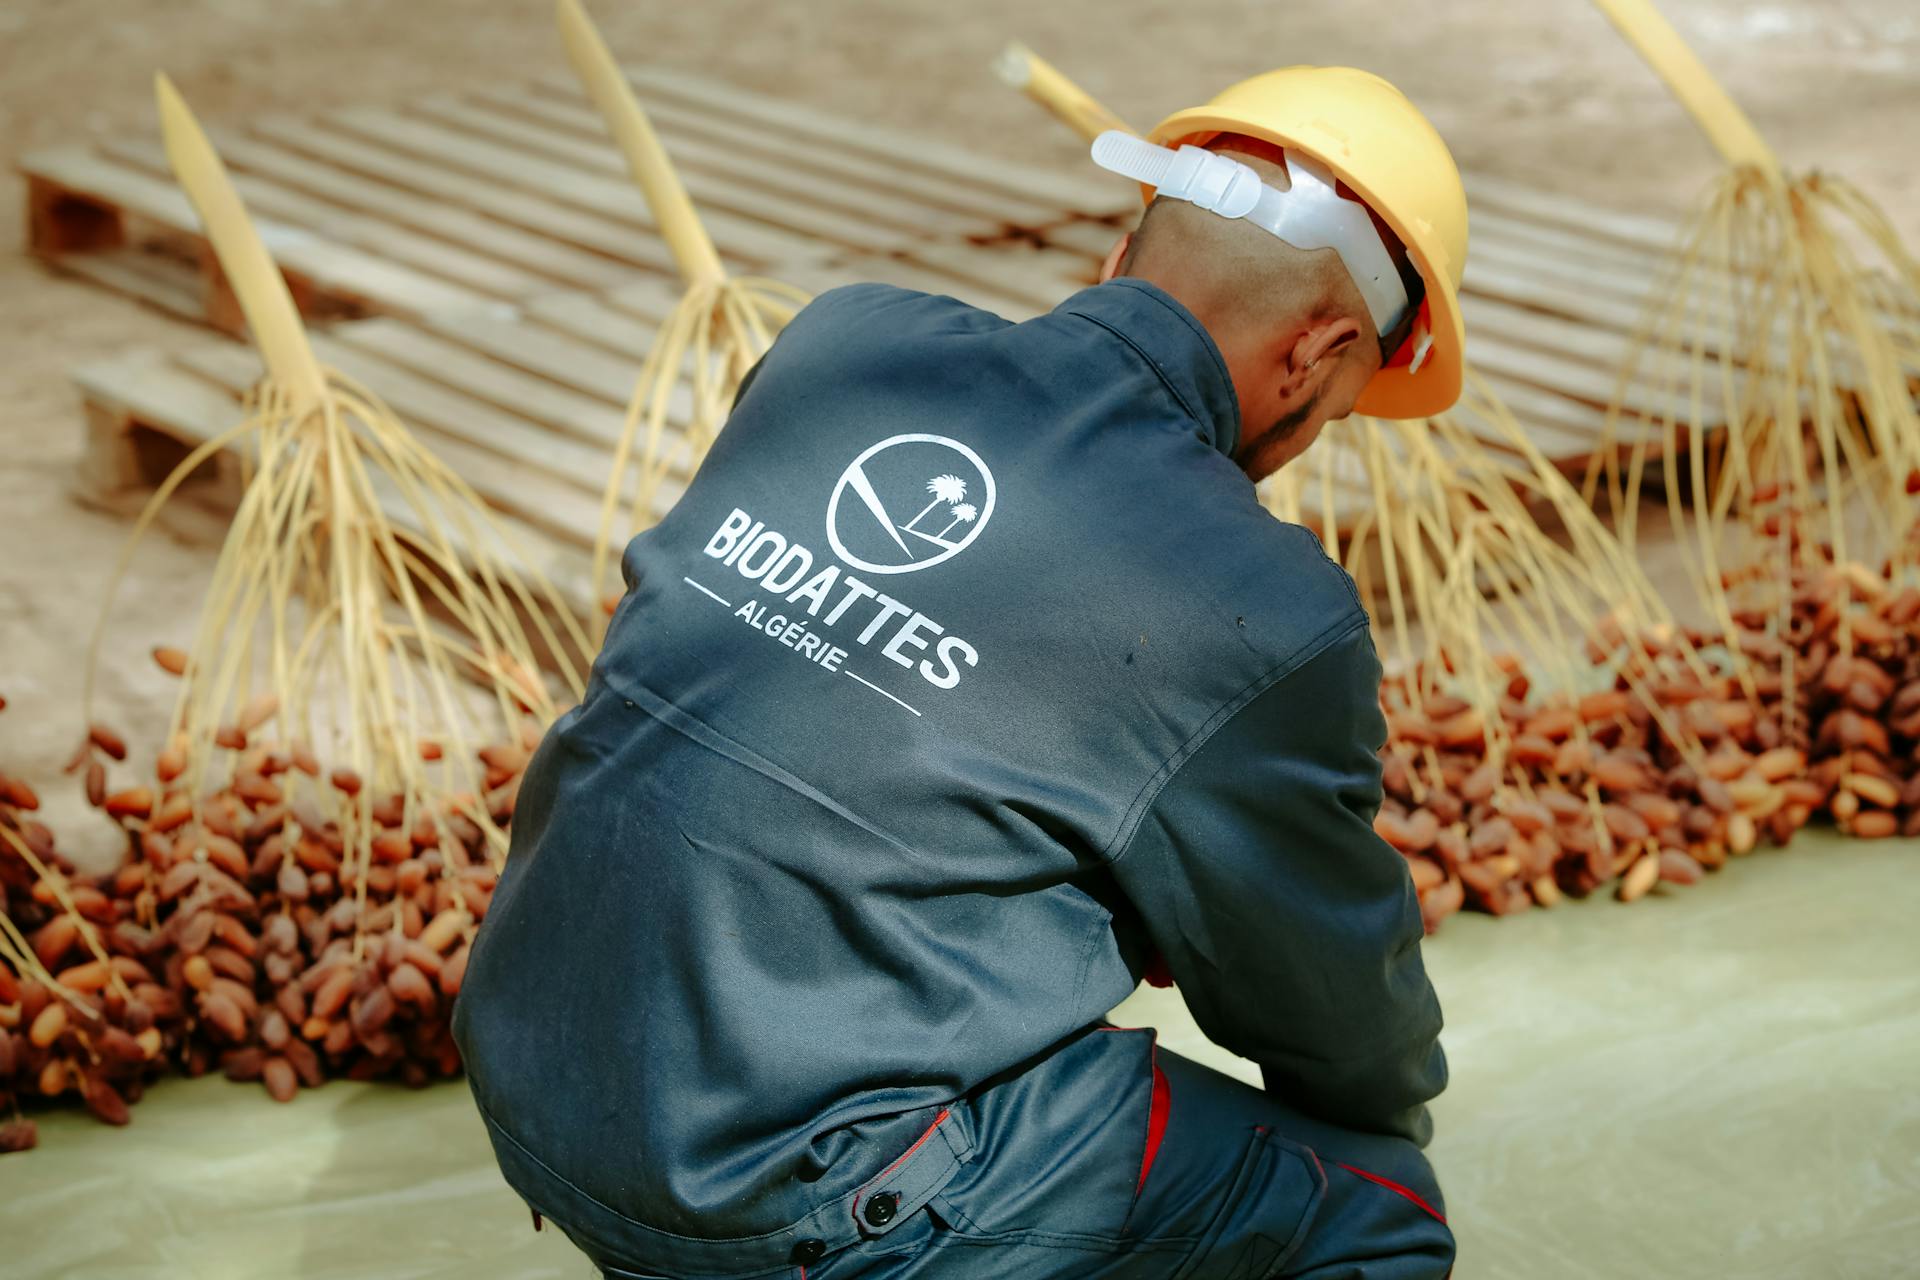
(1291, 323)
(1238, 271)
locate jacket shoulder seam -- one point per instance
(1170, 768)
(1152, 364)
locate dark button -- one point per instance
(881, 1208)
(809, 1251)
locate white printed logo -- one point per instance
(909, 503)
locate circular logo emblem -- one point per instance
(909, 503)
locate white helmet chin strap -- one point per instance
(1312, 214)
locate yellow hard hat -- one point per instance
(1380, 146)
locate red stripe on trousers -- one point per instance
(1156, 1122)
(1157, 1107)
(1394, 1187)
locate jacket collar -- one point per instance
(1181, 351)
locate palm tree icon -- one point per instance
(947, 488)
(962, 514)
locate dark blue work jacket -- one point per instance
(967, 676)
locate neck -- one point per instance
(1238, 348)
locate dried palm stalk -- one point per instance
(1789, 319)
(1023, 69)
(364, 599)
(710, 341)
(1471, 580)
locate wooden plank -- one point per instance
(1605, 352)
(521, 366)
(1615, 284)
(155, 392)
(1076, 192)
(136, 389)
(766, 192)
(1574, 274)
(344, 274)
(1519, 346)
(647, 301)
(755, 243)
(1650, 234)
(397, 249)
(555, 406)
(1564, 429)
(625, 240)
(1547, 272)
(1490, 352)
(162, 282)
(80, 168)
(549, 481)
(432, 400)
(555, 264)
(710, 140)
(1602, 349)
(1036, 278)
(907, 274)
(590, 320)
(1556, 242)
(1555, 271)
(1496, 279)
(524, 343)
(1088, 237)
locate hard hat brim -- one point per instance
(1393, 392)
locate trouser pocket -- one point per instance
(1060, 1148)
(1265, 1214)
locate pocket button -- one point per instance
(881, 1208)
(809, 1251)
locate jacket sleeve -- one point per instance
(1291, 929)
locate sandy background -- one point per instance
(1540, 91)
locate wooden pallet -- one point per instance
(462, 202)
(525, 403)
(486, 201)
(484, 263)
(524, 406)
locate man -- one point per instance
(968, 684)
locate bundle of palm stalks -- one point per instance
(363, 599)
(1791, 312)
(242, 933)
(711, 340)
(1513, 779)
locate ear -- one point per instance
(1317, 349)
(1331, 339)
(1112, 265)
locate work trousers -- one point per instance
(1240, 1188)
(1192, 1176)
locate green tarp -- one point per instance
(1722, 1081)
